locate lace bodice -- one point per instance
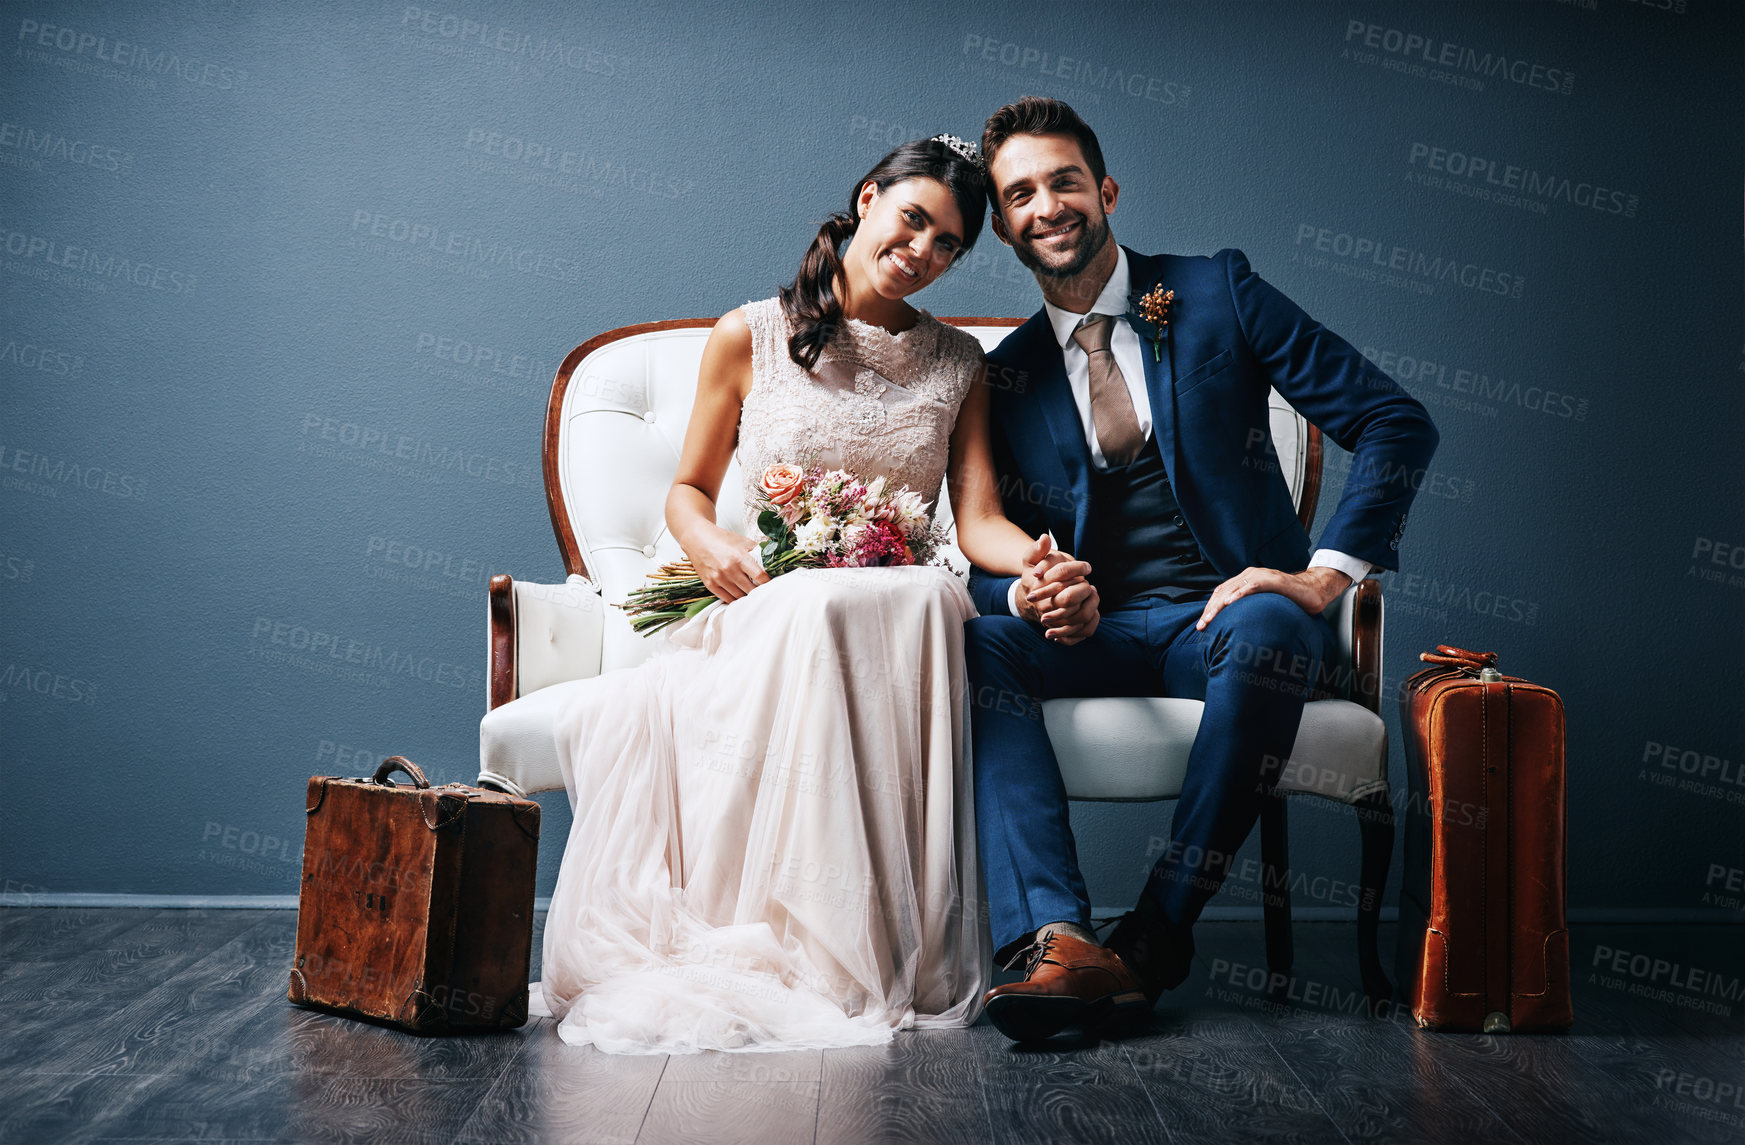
(876, 404)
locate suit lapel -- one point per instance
(1145, 272)
(1060, 413)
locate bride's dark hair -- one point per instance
(811, 302)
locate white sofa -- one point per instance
(614, 426)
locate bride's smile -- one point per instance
(903, 266)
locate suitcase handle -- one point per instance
(399, 763)
(1459, 657)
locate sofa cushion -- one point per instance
(517, 750)
(1125, 749)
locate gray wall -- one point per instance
(248, 249)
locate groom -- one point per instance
(1179, 566)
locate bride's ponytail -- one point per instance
(811, 302)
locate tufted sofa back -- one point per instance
(616, 423)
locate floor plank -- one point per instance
(1045, 1112)
(27, 933)
(289, 1107)
(783, 1068)
(924, 1086)
(67, 1109)
(555, 1092)
(732, 1113)
(154, 945)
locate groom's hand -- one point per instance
(1313, 589)
(1054, 593)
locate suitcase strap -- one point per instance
(1498, 934)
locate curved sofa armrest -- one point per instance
(1357, 621)
(541, 634)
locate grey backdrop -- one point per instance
(285, 286)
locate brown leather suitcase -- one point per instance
(416, 905)
(1484, 943)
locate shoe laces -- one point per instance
(1033, 954)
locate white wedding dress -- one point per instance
(773, 845)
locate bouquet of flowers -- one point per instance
(810, 518)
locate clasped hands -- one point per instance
(1055, 592)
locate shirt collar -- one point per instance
(1113, 300)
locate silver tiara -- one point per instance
(962, 146)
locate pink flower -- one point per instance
(781, 483)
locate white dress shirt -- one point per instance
(1124, 344)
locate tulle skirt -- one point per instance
(773, 845)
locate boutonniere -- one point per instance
(1155, 309)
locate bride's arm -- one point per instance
(984, 533)
(1054, 591)
(722, 558)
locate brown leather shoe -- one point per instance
(1067, 981)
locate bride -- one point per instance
(773, 845)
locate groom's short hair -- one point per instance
(1038, 115)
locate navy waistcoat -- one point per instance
(1138, 543)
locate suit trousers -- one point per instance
(1254, 666)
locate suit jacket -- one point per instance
(1230, 338)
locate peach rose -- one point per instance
(781, 483)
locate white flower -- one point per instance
(814, 536)
(907, 510)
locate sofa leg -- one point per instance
(1375, 824)
(1275, 884)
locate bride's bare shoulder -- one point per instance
(731, 335)
(734, 325)
(727, 354)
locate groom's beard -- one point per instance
(1073, 260)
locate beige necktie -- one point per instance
(1112, 413)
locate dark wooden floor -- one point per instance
(172, 1025)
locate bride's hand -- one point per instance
(1047, 570)
(726, 562)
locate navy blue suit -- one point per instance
(1230, 339)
